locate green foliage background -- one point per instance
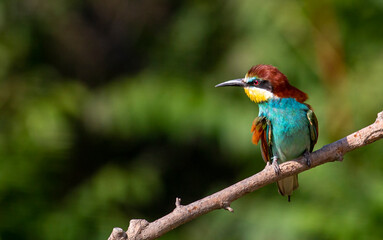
(108, 112)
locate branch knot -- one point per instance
(118, 234)
(135, 228)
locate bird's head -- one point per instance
(265, 82)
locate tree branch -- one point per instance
(140, 229)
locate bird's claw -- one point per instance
(275, 165)
(306, 155)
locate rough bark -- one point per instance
(140, 229)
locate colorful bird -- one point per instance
(286, 126)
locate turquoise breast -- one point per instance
(290, 127)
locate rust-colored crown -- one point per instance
(279, 82)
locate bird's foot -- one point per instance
(306, 155)
(276, 165)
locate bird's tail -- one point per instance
(287, 185)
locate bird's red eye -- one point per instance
(255, 82)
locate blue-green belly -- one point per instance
(290, 127)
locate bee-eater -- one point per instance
(286, 126)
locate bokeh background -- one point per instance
(108, 112)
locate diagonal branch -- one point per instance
(140, 229)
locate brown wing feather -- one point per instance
(259, 133)
(257, 129)
(265, 148)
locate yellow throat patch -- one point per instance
(258, 95)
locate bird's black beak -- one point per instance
(236, 82)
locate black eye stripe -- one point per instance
(259, 83)
(255, 80)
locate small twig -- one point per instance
(226, 206)
(143, 230)
(178, 202)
